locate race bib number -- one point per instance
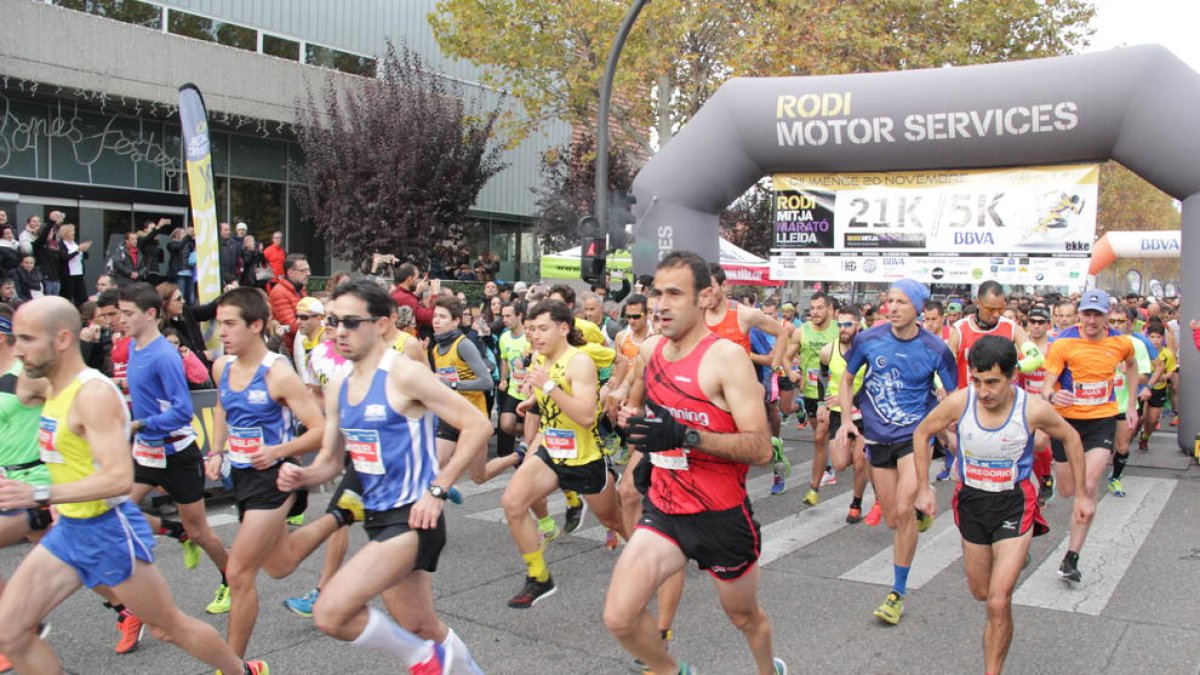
(449, 374)
(47, 431)
(813, 375)
(1034, 381)
(560, 443)
(150, 456)
(855, 414)
(243, 443)
(991, 475)
(363, 446)
(1092, 393)
(671, 460)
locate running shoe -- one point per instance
(256, 668)
(780, 666)
(520, 451)
(1144, 444)
(303, 605)
(221, 601)
(874, 515)
(924, 521)
(610, 540)
(802, 424)
(854, 515)
(42, 631)
(1046, 492)
(296, 520)
(191, 553)
(454, 495)
(533, 593)
(351, 501)
(779, 461)
(1175, 421)
(575, 516)
(944, 474)
(828, 478)
(5, 664)
(892, 608)
(434, 665)
(778, 485)
(1069, 571)
(1115, 487)
(812, 497)
(687, 669)
(639, 666)
(132, 629)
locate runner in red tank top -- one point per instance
(704, 421)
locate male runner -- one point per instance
(995, 501)
(808, 342)
(703, 424)
(1164, 366)
(902, 361)
(833, 359)
(1079, 373)
(1120, 320)
(386, 410)
(935, 320)
(566, 452)
(258, 394)
(165, 453)
(460, 366)
(101, 538)
(1032, 382)
(1066, 315)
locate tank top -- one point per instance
(730, 329)
(451, 368)
(994, 460)
(812, 341)
(968, 335)
(402, 341)
(691, 481)
(69, 457)
(629, 347)
(395, 455)
(565, 440)
(837, 366)
(252, 418)
(18, 422)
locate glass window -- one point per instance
(338, 60)
(241, 37)
(257, 157)
(24, 143)
(129, 11)
(273, 45)
(302, 237)
(190, 25)
(158, 157)
(100, 153)
(259, 204)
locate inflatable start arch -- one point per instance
(1137, 105)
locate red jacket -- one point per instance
(284, 297)
(275, 255)
(406, 298)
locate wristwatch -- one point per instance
(439, 492)
(691, 438)
(549, 386)
(454, 386)
(41, 495)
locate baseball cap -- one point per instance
(1039, 312)
(1094, 300)
(520, 287)
(242, 226)
(310, 306)
(954, 307)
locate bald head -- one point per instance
(51, 314)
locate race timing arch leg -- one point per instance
(1189, 385)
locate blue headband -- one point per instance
(916, 292)
(5, 326)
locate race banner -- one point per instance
(196, 149)
(1014, 223)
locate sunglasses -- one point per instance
(1038, 321)
(306, 317)
(634, 316)
(845, 324)
(350, 322)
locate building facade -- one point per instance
(89, 122)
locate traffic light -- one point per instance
(620, 219)
(594, 249)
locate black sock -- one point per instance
(224, 581)
(1119, 465)
(118, 608)
(856, 503)
(173, 529)
(344, 517)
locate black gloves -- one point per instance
(655, 434)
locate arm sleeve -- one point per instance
(175, 387)
(483, 378)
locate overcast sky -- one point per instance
(1171, 23)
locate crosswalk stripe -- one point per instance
(219, 519)
(937, 549)
(469, 489)
(801, 529)
(1118, 531)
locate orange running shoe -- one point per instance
(132, 630)
(875, 515)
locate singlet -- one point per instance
(837, 366)
(252, 418)
(19, 429)
(402, 341)
(686, 481)
(395, 455)
(324, 363)
(451, 368)
(729, 328)
(69, 457)
(1170, 364)
(512, 352)
(812, 341)
(565, 440)
(591, 332)
(994, 460)
(629, 347)
(1032, 382)
(969, 334)
(897, 392)
(1085, 368)
(1122, 388)
(302, 349)
(120, 356)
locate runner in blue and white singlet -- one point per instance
(252, 417)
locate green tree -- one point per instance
(567, 191)
(1128, 202)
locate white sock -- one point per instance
(458, 657)
(383, 635)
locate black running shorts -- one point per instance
(725, 543)
(835, 423)
(985, 518)
(508, 404)
(255, 490)
(810, 407)
(586, 479)
(1097, 434)
(446, 432)
(1158, 398)
(384, 525)
(182, 478)
(886, 455)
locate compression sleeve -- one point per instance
(1031, 358)
(474, 360)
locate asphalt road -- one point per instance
(1136, 612)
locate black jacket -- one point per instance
(188, 327)
(123, 266)
(228, 249)
(178, 252)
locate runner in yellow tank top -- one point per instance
(101, 539)
(833, 357)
